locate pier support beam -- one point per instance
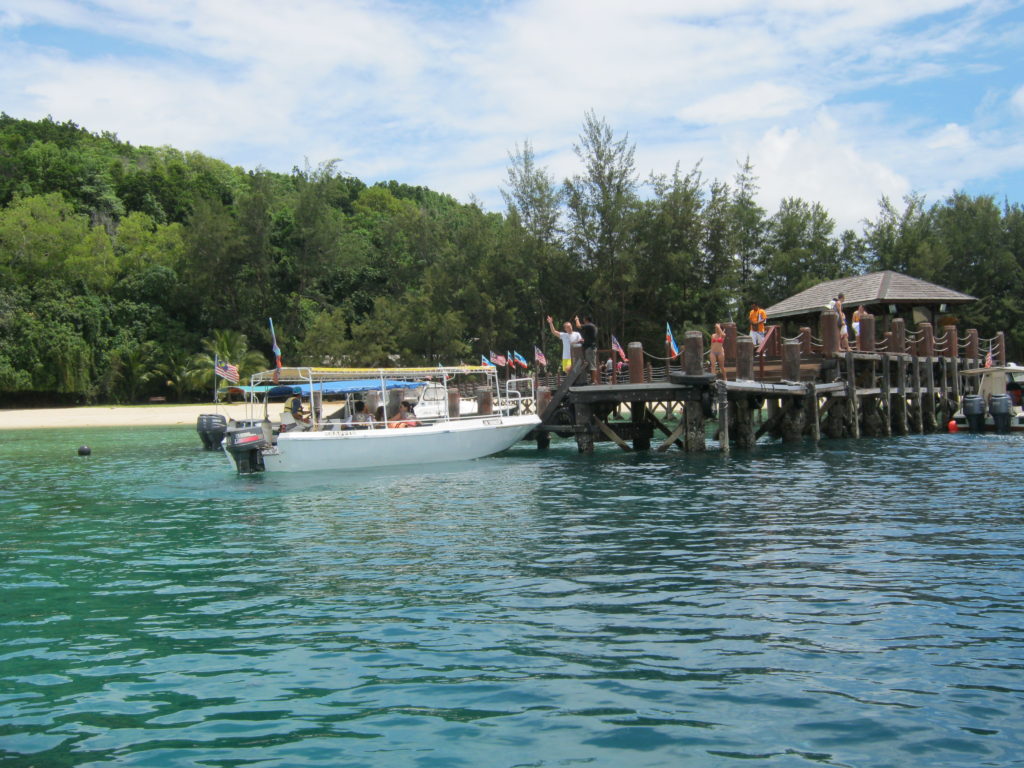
(723, 415)
(743, 420)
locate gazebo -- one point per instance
(884, 294)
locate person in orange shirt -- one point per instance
(758, 317)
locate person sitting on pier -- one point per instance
(568, 337)
(718, 351)
(758, 317)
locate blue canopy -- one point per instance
(330, 387)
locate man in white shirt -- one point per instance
(568, 337)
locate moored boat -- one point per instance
(992, 400)
(376, 423)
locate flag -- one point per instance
(520, 360)
(988, 358)
(273, 346)
(485, 361)
(497, 359)
(539, 356)
(670, 341)
(227, 371)
(616, 347)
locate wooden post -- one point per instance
(866, 337)
(723, 416)
(484, 402)
(693, 353)
(455, 402)
(746, 437)
(915, 373)
(637, 410)
(900, 425)
(927, 346)
(899, 336)
(829, 333)
(852, 404)
(584, 435)
(745, 358)
(693, 437)
(972, 347)
(886, 396)
(806, 345)
(928, 414)
(813, 419)
(791, 360)
(952, 342)
(730, 342)
(947, 409)
(1001, 349)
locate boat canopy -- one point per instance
(335, 375)
(326, 387)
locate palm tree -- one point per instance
(134, 369)
(181, 373)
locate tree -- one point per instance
(532, 196)
(601, 203)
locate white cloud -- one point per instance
(430, 95)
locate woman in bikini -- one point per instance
(718, 351)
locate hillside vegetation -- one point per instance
(124, 270)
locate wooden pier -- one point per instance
(791, 389)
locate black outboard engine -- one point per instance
(211, 428)
(974, 412)
(999, 407)
(245, 443)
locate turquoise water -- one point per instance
(856, 604)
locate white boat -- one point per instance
(992, 399)
(436, 432)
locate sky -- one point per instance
(833, 101)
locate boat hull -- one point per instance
(346, 450)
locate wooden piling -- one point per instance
(917, 412)
(731, 334)
(900, 423)
(866, 337)
(637, 410)
(829, 333)
(722, 391)
(1000, 358)
(898, 339)
(791, 360)
(811, 403)
(484, 402)
(852, 404)
(886, 395)
(744, 358)
(973, 345)
(693, 353)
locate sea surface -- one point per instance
(859, 603)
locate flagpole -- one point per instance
(216, 360)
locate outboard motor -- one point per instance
(974, 412)
(245, 443)
(211, 428)
(999, 407)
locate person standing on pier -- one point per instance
(568, 337)
(758, 317)
(844, 331)
(588, 333)
(718, 351)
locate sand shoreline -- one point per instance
(114, 416)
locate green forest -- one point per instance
(124, 269)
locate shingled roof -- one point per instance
(875, 288)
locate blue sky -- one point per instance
(838, 102)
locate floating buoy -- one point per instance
(84, 450)
(952, 426)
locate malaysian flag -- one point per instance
(539, 356)
(498, 359)
(485, 361)
(520, 360)
(670, 340)
(616, 347)
(227, 371)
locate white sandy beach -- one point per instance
(113, 416)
